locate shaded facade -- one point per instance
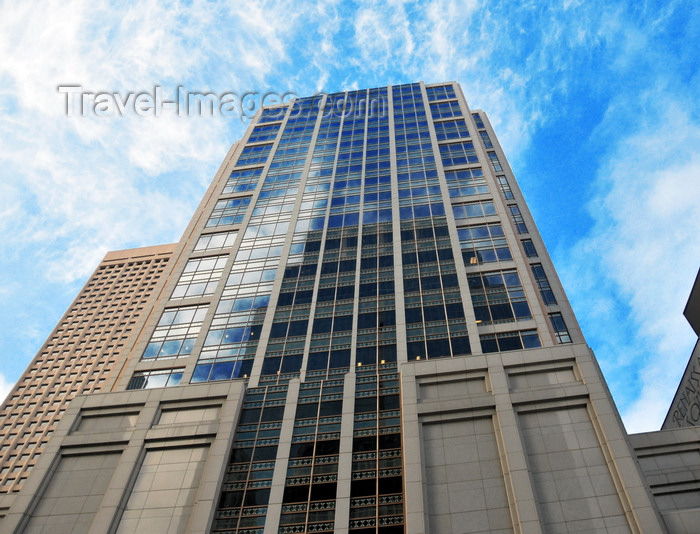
(360, 331)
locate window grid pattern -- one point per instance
(435, 323)
(216, 241)
(466, 182)
(245, 492)
(331, 331)
(156, 379)
(442, 110)
(376, 321)
(176, 332)
(411, 132)
(435, 317)
(505, 187)
(486, 139)
(376, 488)
(291, 326)
(523, 339)
(200, 277)
(316, 194)
(452, 129)
(529, 248)
(561, 332)
(495, 163)
(470, 210)
(308, 503)
(461, 153)
(77, 359)
(272, 114)
(498, 297)
(284, 357)
(232, 341)
(483, 243)
(419, 191)
(442, 92)
(254, 154)
(411, 153)
(242, 181)
(284, 353)
(420, 196)
(264, 133)
(517, 218)
(229, 211)
(351, 201)
(543, 284)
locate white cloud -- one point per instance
(98, 182)
(645, 257)
(5, 387)
(376, 39)
(447, 36)
(73, 188)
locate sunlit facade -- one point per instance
(360, 331)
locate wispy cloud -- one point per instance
(73, 188)
(636, 267)
(382, 35)
(92, 180)
(619, 78)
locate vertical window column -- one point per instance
(543, 284)
(245, 493)
(308, 503)
(376, 490)
(559, 327)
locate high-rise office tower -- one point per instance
(360, 331)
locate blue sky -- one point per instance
(595, 103)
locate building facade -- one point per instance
(78, 357)
(360, 331)
(685, 408)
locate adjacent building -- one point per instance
(685, 408)
(360, 331)
(79, 356)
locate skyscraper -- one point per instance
(360, 331)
